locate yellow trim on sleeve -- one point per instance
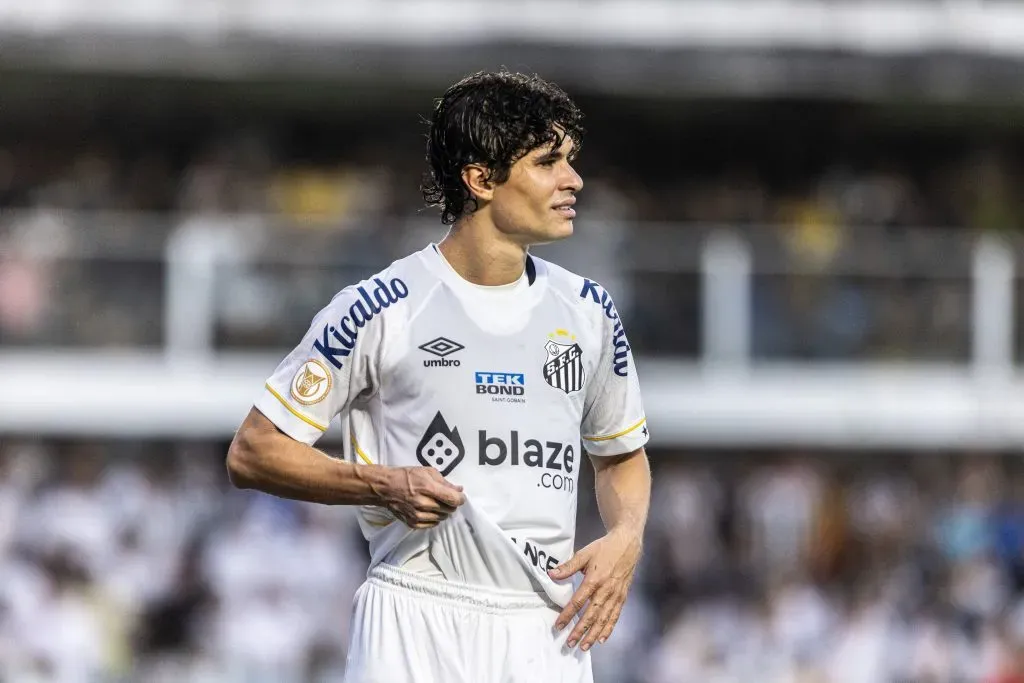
(293, 411)
(616, 435)
(359, 452)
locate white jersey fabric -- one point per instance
(495, 387)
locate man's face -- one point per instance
(535, 204)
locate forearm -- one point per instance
(624, 491)
(264, 459)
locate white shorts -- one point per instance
(408, 628)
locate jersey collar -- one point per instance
(536, 274)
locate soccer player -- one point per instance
(465, 377)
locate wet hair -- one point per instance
(492, 119)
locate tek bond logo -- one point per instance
(502, 387)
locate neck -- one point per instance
(483, 257)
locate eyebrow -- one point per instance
(553, 155)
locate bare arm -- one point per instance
(262, 457)
(623, 486)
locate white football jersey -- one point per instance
(495, 387)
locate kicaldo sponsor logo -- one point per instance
(620, 345)
(337, 340)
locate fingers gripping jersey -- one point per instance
(496, 388)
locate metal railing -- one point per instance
(722, 295)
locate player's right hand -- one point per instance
(420, 497)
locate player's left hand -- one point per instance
(608, 565)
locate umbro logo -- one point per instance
(441, 347)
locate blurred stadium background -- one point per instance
(810, 213)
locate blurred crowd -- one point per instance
(142, 566)
(861, 248)
(848, 570)
(327, 174)
(138, 562)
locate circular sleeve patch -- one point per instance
(311, 383)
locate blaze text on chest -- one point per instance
(553, 456)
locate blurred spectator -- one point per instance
(779, 506)
(133, 564)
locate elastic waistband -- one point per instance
(460, 594)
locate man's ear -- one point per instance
(477, 179)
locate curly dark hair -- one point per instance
(492, 119)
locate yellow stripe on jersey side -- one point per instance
(294, 412)
(311, 423)
(359, 452)
(616, 435)
(373, 522)
(362, 512)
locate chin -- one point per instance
(555, 233)
(544, 234)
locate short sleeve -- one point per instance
(335, 363)
(613, 421)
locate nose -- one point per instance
(572, 180)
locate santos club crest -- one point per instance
(564, 366)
